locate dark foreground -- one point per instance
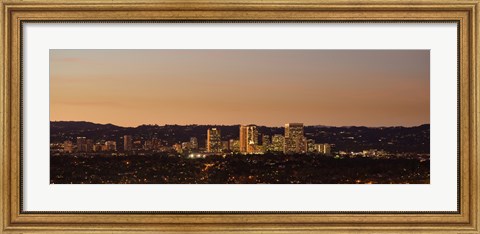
(236, 169)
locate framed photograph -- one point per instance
(250, 117)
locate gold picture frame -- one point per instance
(14, 12)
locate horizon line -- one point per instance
(337, 126)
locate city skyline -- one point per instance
(88, 153)
(246, 139)
(293, 140)
(373, 88)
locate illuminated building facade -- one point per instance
(111, 145)
(178, 148)
(148, 145)
(324, 149)
(248, 138)
(81, 144)
(193, 143)
(311, 147)
(294, 138)
(234, 145)
(214, 141)
(266, 143)
(68, 146)
(186, 146)
(277, 143)
(89, 146)
(127, 143)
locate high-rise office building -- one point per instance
(327, 149)
(111, 145)
(234, 145)
(311, 147)
(127, 143)
(193, 142)
(248, 138)
(266, 143)
(243, 139)
(266, 140)
(148, 145)
(323, 149)
(294, 138)
(81, 144)
(68, 146)
(277, 143)
(89, 147)
(214, 141)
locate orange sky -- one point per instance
(263, 87)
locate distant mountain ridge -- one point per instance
(81, 123)
(86, 124)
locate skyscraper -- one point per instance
(311, 146)
(214, 141)
(243, 139)
(277, 143)
(81, 144)
(89, 145)
(234, 145)
(266, 144)
(67, 147)
(324, 149)
(193, 143)
(248, 138)
(148, 145)
(294, 138)
(127, 143)
(265, 139)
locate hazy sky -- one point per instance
(263, 87)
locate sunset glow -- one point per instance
(264, 87)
